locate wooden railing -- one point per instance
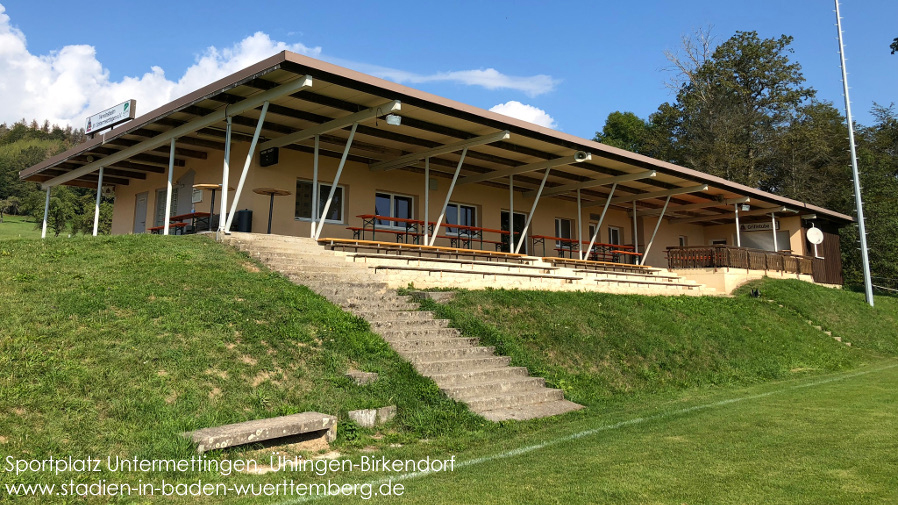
(719, 256)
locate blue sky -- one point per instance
(568, 64)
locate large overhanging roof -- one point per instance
(140, 147)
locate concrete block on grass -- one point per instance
(369, 418)
(437, 296)
(361, 378)
(260, 430)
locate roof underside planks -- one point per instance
(428, 122)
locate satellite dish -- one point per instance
(815, 236)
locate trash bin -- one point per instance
(244, 220)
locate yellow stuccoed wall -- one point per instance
(360, 186)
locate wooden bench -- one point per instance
(160, 229)
(450, 260)
(357, 232)
(438, 251)
(532, 275)
(260, 430)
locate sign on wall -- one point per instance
(762, 226)
(110, 117)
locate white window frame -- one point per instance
(570, 231)
(324, 192)
(683, 241)
(458, 207)
(393, 224)
(159, 209)
(620, 235)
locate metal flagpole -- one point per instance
(868, 283)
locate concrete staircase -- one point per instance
(463, 369)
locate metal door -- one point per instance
(140, 213)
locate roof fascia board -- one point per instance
(210, 119)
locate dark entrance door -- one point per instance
(519, 220)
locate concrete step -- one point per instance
(488, 374)
(381, 323)
(513, 399)
(388, 314)
(457, 365)
(418, 344)
(415, 333)
(476, 389)
(532, 411)
(431, 355)
(303, 259)
(370, 305)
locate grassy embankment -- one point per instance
(113, 346)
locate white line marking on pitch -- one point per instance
(630, 422)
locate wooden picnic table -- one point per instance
(195, 219)
(575, 245)
(458, 234)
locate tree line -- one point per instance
(742, 110)
(71, 210)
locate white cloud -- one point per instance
(67, 85)
(525, 112)
(489, 78)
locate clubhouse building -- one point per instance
(305, 148)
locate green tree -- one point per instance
(730, 106)
(809, 161)
(62, 209)
(894, 45)
(624, 130)
(877, 151)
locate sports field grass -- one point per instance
(112, 346)
(18, 227)
(824, 440)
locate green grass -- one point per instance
(803, 441)
(599, 347)
(113, 346)
(18, 227)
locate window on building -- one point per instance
(684, 240)
(390, 205)
(457, 213)
(562, 230)
(160, 205)
(719, 241)
(614, 235)
(304, 201)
